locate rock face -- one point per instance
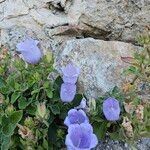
(108, 144)
(100, 63)
(116, 19)
(100, 19)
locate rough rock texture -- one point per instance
(100, 19)
(100, 63)
(125, 18)
(142, 144)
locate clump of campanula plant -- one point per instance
(40, 112)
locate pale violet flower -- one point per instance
(80, 137)
(67, 92)
(70, 73)
(111, 109)
(82, 105)
(29, 50)
(76, 117)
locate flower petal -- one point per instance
(67, 122)
(111, 109)
(76, 117)
(70, 70)
(80, 137)
(94, 141)
(68, 141)
(82, 104)
(67, 92)
(71, 80)
(29, 50)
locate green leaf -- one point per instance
(11, 81)
(51, 118)
(31, 109)
(100, 129)
(114, 135)
(77, 100)
(134, 70)
(8, 129)
(23, 102)
(55, 109)
(5, 90)
(49, 93)
(46, 84)
(2, 83)
(52, 134)
(16, 117)
(45, 144)
(49, 56)
(6, 143)
(57, 83)
(35, 91)
(15, 96)
(5, 120)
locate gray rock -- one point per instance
(100, 63)
(143, 144)
(15, 9)
(100, 19)
(113, 145)
(118, 19)
(108, 19)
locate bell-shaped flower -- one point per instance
(29, 50)
(111, 109)
(81, 137)
(67, 92)
(82, 105)
(70, 73)
(76, 117)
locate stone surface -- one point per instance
(112, 145)
(107, 19)
(108, 144)
(14, 9)
(118, 19)
(100, 19)
(100, 63)
(143, 144)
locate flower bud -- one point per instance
(29, 122)
(9, 110)
(41, 110)
(92, 105)
(127, 125)
(49, 56)
(25, 132)
(140, 113)
(129, 107)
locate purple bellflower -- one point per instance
(76, 117)
(29, 50)
(67, 92)
(82, 104)
(111, 109)
(80, 137)
(70, 73)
